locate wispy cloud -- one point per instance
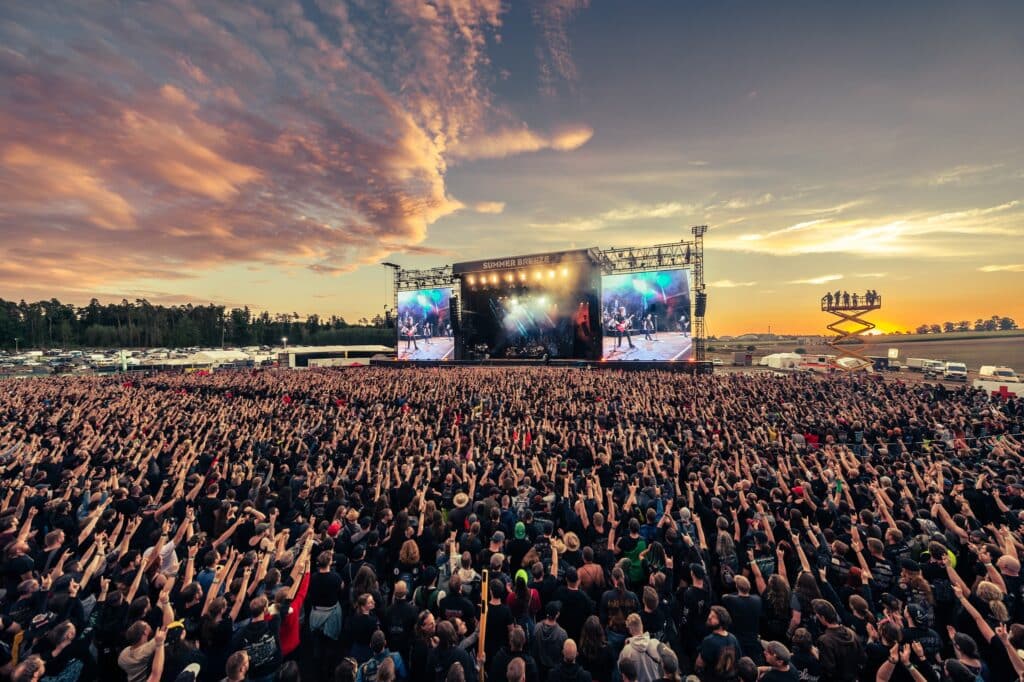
(508, 142)
(729, 284)
(872, 275)
(626, 214)
(918, 234)
(962, 173)
(817, 280)
(489, 206)
(1014, 267)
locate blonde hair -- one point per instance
(988, 591)
(410, 552)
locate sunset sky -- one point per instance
(272, 153)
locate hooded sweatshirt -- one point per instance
(547, 645)
(841, 654)
(643, 651)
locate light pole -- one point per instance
(284, 342)
(16, 345)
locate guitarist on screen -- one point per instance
(621, 323)
(409, 332)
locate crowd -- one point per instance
(620, 527)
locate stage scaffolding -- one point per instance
(685, 253)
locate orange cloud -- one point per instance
(519, 141)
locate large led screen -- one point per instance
(424, 325)
(646, 316)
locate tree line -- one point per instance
(994, 323)
(141, 324)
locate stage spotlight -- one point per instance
(494, 279)
(522, 276)
(471, 279)
(543, 300)
(551, 274)
(508, 277)
(565, 272)
(537, 275)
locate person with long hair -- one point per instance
(776, 618)
(805, 592)
(595, 655)
(424, 642)
(524, 602)
(447, 653)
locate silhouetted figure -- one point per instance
(846, 299)
(855, 300)
(828, 300)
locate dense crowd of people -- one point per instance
(527, 524)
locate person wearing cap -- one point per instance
(777, 656)
(576, 605)
(517, 548)
(182, 649)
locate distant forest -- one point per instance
(994, 323)
(140, 324)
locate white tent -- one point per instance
(783, 360)
(217, 357)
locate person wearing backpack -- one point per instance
(378, 654)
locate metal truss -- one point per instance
(851, 326)
(410, 280)
(639, 259)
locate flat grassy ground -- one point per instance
(974, 349)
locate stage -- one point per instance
(560, 309)
(663, 346)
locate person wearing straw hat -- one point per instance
(457, 516)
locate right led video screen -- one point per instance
(646, 316)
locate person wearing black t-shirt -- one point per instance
(719, 651)
(745, 610)
(779, 668)
(576, 605)
(455, 605)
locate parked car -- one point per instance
(955, 371)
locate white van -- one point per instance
(933, 369)
(997, 373)
(955, 371)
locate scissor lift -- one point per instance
(851, 326)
